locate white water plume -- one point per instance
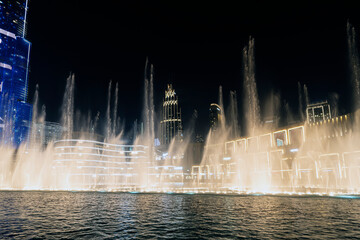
(306, 94)
(108, 118)
(252, 108)
(67, 117)
(116, 120)
(300, 99)
(354, 64)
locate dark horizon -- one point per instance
(197, 48)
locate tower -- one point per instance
(171, 124)
(215, 116)
(14, 68)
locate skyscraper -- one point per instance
(171, 124)
(15, 113)
(46, 132)
(215, 116)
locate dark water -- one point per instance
(125, 216)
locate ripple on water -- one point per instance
(118, 215)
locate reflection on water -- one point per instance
(123, 215)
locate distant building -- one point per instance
(14, 67)
(318, 112)
(199, 138)
(170, 124)
(44, 133)
(215, 113)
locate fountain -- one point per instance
(303, 158)
(354, 64)
(252, 112)
(316, 158)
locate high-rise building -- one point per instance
(15, 113)
(13, 16)
(215, 116)
(171, 124)
(46, 132)
(318, 112)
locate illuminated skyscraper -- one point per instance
(171, 125)
(15, 113)
(13, 16)
(215, 116)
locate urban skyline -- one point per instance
(286, 104)
(283, 112)
(210, 62)
(181, 121)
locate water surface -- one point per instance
(72, 215)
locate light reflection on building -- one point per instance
(15, 113)
(273, 161)
(318, 112)
(170, 124)
(87, 164)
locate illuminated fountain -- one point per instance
(94, 165)
(78, 160)
(309, 157)
(320, 157)
(88, 163)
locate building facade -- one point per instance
(46, 132)
(215, 116)
(88, 164)
(318, 112)
(15, 112)
(170, 124)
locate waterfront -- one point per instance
(178, 216)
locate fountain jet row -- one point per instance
(320, 157)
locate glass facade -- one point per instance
(13, 15)
(15, 113)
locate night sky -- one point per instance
(196, 47)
